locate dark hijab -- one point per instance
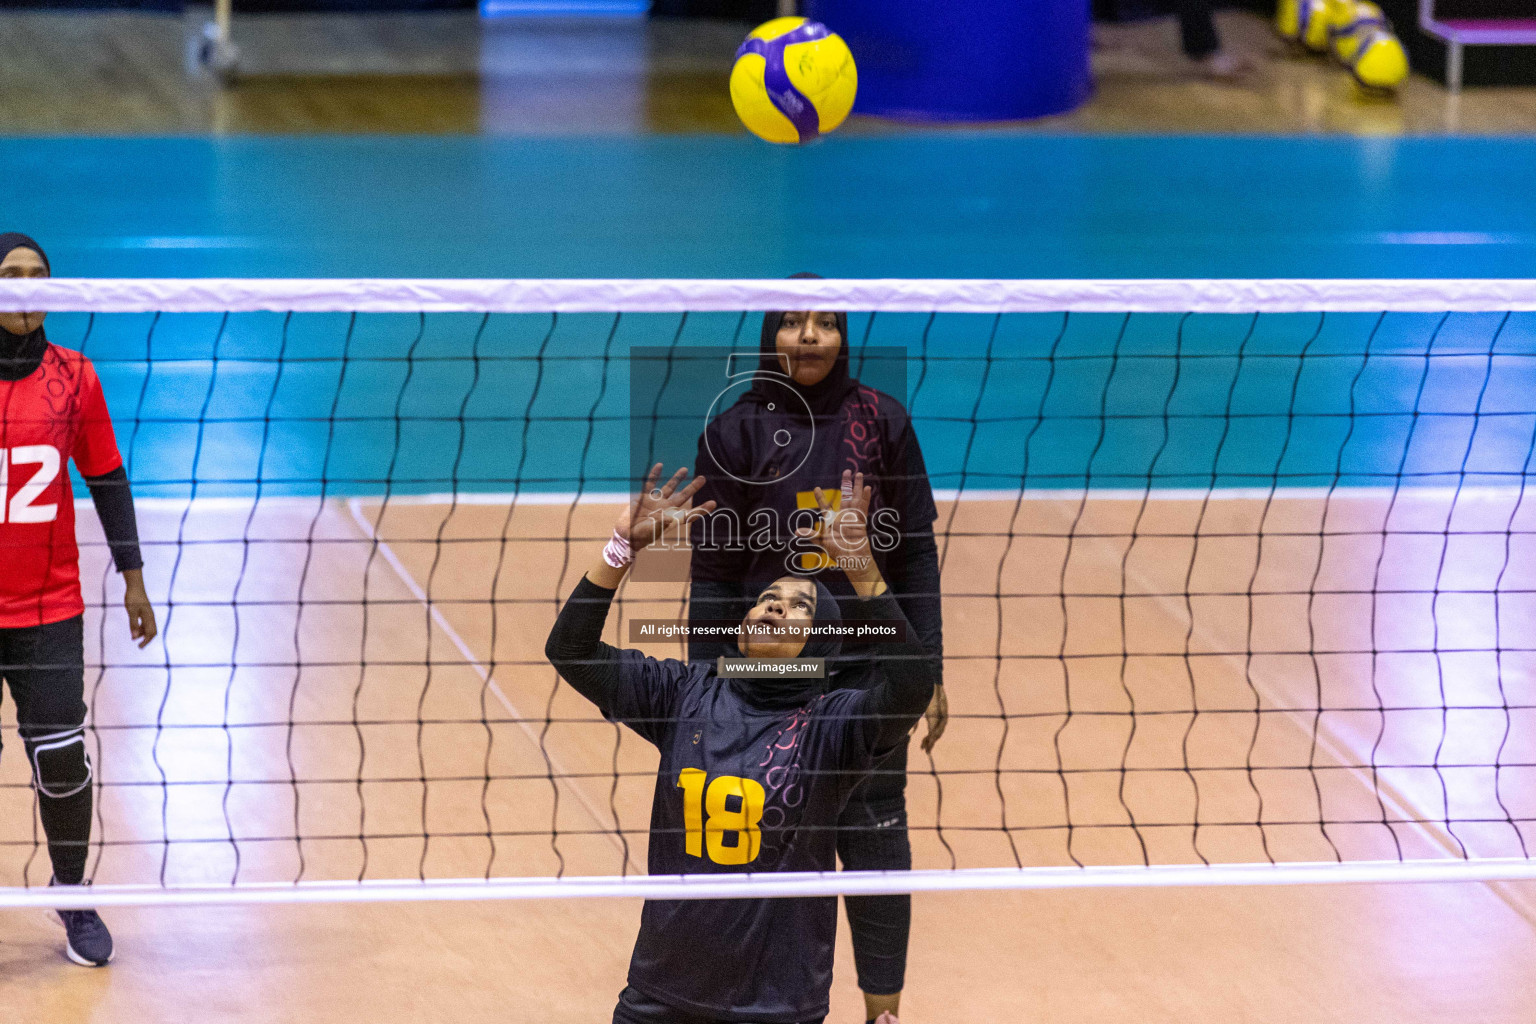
(20, 354)
(825, 397)
(789, 692)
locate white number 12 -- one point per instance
(46, 458)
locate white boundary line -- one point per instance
(1398, 803)
(354, 506)
(800, 884)
(613, 295)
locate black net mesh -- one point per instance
(1219, 588)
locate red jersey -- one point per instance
(54, 414)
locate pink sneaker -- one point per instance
(887, 1018)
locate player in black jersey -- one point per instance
(804, 421)
(754, 771)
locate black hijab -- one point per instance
(786, 692)
(20, 354)
(825, 397)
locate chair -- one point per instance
(1459, 32)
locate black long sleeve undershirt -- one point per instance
(909, 678)
(113, 498)
(914, 580)
(576, 650)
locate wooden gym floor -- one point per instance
(1353, 955)
(306, 654)
(70, 73)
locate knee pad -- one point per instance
(881, 927)
(61, 767)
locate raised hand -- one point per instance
(657, 510)
(844, 533)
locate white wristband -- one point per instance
(617, 551)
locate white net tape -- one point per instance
(780, 884)
(390, 295)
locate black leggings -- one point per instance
(872, 836)
(45, 667)
(639, 1008)
(1197, 28)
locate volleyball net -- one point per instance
(1238, 580)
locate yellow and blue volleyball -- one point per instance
(794, 81)
(1378, 60)
(1305, 23)
(1364, 43)
(1350, 22)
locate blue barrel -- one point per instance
(963, 60)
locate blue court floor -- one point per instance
(1026, 401)
(942, 204)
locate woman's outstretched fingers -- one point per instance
(688, 492)
(658, 507)
(671, 485)
(645, 491)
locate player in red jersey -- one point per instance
(52, 410)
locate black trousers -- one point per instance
(1197, 28)
(638, 1008)
(45, 669)
(872, 836)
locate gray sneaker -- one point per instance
(1224, 66)
(86, 939)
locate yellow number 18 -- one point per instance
(700, 833)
